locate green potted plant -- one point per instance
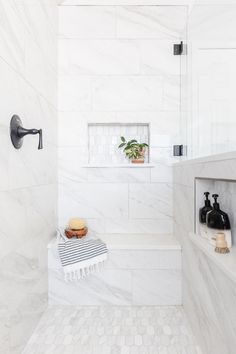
(133, 150)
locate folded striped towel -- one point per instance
(81, 257)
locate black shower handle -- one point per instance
(40, 146)
(17, 133)
(21, 132)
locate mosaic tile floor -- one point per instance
(112, 330)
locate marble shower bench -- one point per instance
(140, 270)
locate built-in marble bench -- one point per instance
(140, 270)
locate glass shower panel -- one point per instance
(208, 100)
(214, 104)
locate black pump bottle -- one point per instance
(216, 218)
(203, 211)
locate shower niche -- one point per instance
(104, 139)
(226, 190)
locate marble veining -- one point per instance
(116, 65)
(114, 330)
(28, 190)
(208, 292)
(140, 270)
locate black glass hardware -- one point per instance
(207, 207)
(216, 218)
(17, 133)
(179, 150)
(180, 48)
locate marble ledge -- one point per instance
(143, 165)
(225, 262)
(231, 155)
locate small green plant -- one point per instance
(132, 149)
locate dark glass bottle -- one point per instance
(216, 218)
(203, 211)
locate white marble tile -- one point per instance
(40, 21)
(156, 57)
(39, 73)
(139, 226)
(162, 173)
(144, 259)
(94, 200)
(28, 176)
(160, 154)
(133, 330)
(145, 22)
(74, 93)
(63, 59)
(117, 57)
(161, 140)
(13, 35)
(70, 163)
(87, 22)
(110, 287)
(214, 22)
(150, 200)
(162, 287)
(119, 175)
(102, 57)
(11, 206)
(171, 93)
(129, 93)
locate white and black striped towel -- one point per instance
(81, 257)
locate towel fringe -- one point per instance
(82, 273)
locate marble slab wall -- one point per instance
(116, 65)
(208, 294)
(28, 176)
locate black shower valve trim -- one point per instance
(17, 133)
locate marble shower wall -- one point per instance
(28, 176)
(209, 294)
(116, 64)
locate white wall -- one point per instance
(211, 79)
(116, 64)
(28, 176)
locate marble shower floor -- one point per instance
(113, 330)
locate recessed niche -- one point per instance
(226, 189)
(104, 139)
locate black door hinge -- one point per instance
(180, 49)
(179, 150)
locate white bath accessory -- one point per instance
(80, 257)
(221, 244)
(218, 222)
(211, 233)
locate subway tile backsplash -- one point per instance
(104, 139)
